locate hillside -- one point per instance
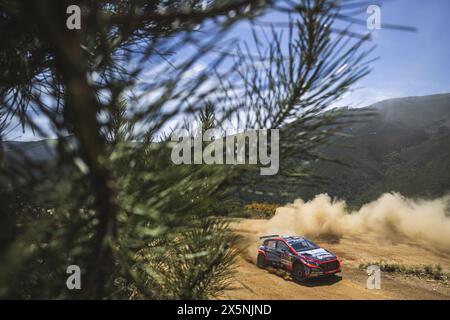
(405, 147)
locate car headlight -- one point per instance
(312, 263)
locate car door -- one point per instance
(272, 253)
(285, 254)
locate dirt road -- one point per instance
(254, 283)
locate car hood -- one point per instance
(318, 254)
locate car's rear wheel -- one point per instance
(298, 272)
(261, 261)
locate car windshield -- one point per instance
(303, 244)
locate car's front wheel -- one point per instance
(298, 272)
(261, 261)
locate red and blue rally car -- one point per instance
(302, 257)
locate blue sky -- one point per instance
(410, 63)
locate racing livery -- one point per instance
(302, 257)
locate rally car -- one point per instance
(302, 257)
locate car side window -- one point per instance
(271, 244)
(282, 246)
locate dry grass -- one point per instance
(262, 209)
(423, 271)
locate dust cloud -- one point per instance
(392, 217)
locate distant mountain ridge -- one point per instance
(404, 148)
(39, 151)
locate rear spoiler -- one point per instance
(269, 236)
